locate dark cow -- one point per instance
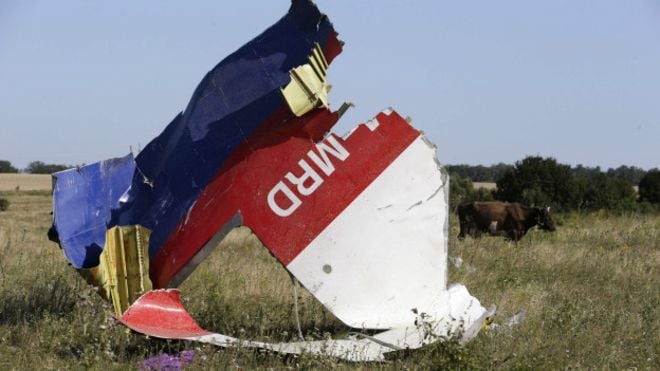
(495, 218)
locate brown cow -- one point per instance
(510, 219)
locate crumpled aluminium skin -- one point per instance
(360, 220)
(239, 100)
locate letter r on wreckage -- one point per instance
(359, 220)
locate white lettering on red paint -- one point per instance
(286, 191)
(324, 163)
(310, 180)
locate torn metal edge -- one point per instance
(205, 251)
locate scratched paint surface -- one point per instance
(364, 232)
(236, 99)
(359, 220)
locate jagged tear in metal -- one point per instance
(360, 220)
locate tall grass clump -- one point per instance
(589, 291)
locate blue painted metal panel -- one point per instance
(82, 199)
(234, 99)
(230, 103)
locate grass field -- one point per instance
(491, 186)
(25, 182)
(485, 185)
(591, 292)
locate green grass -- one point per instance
(591, 293)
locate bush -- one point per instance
(541, 182)
(604, 192)
(459, 190)
(4, 204)
(462, 190)
(649, 187)
(38, 167)
(480, 173)
(631, 174)
(5, 167)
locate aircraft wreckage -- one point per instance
(360, 220)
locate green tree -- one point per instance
(461, 189)
(649, 187)
(540, 181)
(581, 171)
(39, 167)
(631, 174)
(603, 192)
(480, 173)
(5, 167)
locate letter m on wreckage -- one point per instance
(360, 220)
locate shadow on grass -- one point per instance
(21, 305)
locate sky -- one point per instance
(486, 81)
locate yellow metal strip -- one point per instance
(123, 272)
(308, 87)
(319, 51)
(317, 69)
(94, 276)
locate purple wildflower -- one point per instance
(168, 362)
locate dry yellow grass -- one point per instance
(25, 182)
(485, 185)
(590, 291)
(492, 186)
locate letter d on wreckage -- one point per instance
(310, 180)
(288, 194)
(361, 220)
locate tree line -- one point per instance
(542, 181)
(480, 173)
(533, 180)
(34, 167)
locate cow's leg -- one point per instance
(492, 228)
(461, 234)
(518, 235)
(513, 235)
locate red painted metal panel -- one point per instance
(160, 313)
(245, 183)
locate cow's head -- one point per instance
(544, 220)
